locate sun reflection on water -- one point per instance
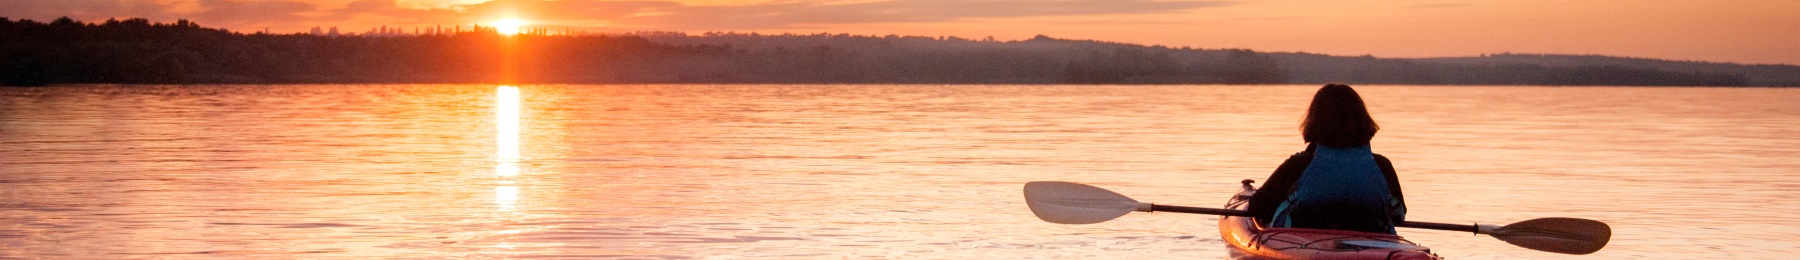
(506, 124)
(507, 197)
(506, 143)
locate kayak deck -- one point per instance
(1250, 240)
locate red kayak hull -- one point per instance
(1248, 240)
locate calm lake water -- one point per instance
(826, 171)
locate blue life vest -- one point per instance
(1341, 189)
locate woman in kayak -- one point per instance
(1337, 182)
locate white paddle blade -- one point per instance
(1074, 203)
(1560, 235)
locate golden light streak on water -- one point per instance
(506, 143)
(506, 169)
(507, 198)
(506, 124)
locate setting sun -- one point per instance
(508, 26)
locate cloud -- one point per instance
(598, 14)
(252, 12)
(1439, 6)
(570, 10)
(86, 10)
(671, 15)
(801, 14)
(391, 10)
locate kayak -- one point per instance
(1250, 240)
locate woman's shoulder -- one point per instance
(1303, 153)
(1306, 155)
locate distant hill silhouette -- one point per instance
(138, 51)
(1758, 74)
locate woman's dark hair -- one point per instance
(1338, 118)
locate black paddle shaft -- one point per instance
(1197, 210)
(1242, 213)
(1441, 226)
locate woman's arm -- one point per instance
(1393, 183)
(1279, 185)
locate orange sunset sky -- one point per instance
(1742, 31)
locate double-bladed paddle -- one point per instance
(1075, 203)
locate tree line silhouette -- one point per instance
(139, 51)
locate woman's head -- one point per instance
(1338, 118)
